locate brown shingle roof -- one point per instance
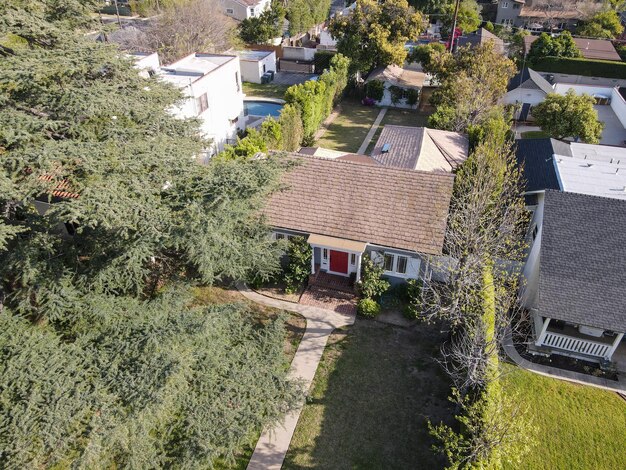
(420, 148)
(390, 207)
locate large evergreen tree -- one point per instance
(103, 363)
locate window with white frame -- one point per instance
(325, 254)
(395, 264)
(230, 11)
(505, 4)
(353, 259)
(279, 236)
(202, 103)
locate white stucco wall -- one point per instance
(253, 70)
(524, 95)
(562, 88)
(299, 53)
(618, 104)
(147, 63)
(530, 285)
(225, 103)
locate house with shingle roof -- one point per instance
(243, 9)
(479, 37)
(574, 279)
(348, 209)
(420, 148)
(526, 89)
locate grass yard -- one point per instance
(399, 117)
(266, 90)
(534, 135)
(350, 127)
(578, 427)
(372, 395)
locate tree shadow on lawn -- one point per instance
(372, 396)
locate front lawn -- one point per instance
(265, 90)
(347, 132)
(579, 427)
(374, 390)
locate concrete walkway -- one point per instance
(273, 444)
(372, 131)
(562, 374)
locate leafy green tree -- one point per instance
(304, 14)
(425, 53)
(468, 18)
(119, 382)
(260, 29)
(103, 361)
(291, 126)
(569, 115)
(561, 46)
(374, 33)
(604, 25)
(472, 81)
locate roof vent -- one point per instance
(386, 148)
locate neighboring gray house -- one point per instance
(526, 89)
(243, 9)
(574, 277)
(347, 209)
(481, 36)
(508, 12)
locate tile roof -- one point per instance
(420, 148)
(528, 78)
(390, 207)
(535, 157)
(590, 48)
(61, 189)
(583, 246)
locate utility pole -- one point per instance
(454, 20)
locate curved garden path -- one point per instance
(273, 444)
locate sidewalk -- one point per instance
(327, 122)
(274, 443)
(562, 374)
(371, 132)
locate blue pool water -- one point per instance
(262, 108)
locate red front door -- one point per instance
(339, 261)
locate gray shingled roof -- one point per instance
(529, 79)
(390, 207)
(582, 272)
(535, 157)
(481, 36)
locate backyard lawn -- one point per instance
(534, 135)
(399, 117)
(349, 129)
(373, 392)
(265, 90)
(578, 427)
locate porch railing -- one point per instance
(576, 345)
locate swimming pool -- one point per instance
(262, 108)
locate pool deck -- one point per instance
(265, 99)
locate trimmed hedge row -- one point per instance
(579, 66)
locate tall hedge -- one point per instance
(580, 66)
(315, 99)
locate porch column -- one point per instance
(542, 335)
(358, 267)
(313, 260)
(615, 346)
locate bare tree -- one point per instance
(194, 26)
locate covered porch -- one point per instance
(576, 341)
(335, 260)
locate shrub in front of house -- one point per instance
(299, 264)
(375, 90)
(368, 308)
(372, 285)
(413, 308)
(412, 96)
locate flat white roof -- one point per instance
(597, 170)
(192, 67)
(253, 55)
